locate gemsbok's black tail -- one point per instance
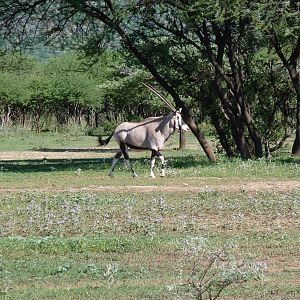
(104, 142)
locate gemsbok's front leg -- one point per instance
(153, 155)
(156, 153)
(163, 165)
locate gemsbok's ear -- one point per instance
(179, 110)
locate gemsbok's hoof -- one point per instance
(162, 174)
(135, 175)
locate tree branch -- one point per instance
(274, 41)
(296, 53)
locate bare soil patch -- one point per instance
(79, 153)
(238, 187)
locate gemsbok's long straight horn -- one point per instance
(152, 89)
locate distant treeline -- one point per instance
(65, 90)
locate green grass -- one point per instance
(185, 169)
(62, 238)
(58, 242)
(23, 139)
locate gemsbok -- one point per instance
(149, 134)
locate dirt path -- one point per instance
(254, 186)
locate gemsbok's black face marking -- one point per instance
(178, 120)
(180, 124)
(149, 134)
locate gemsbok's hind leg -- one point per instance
(124, 150)
(115, 160)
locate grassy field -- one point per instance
(68, 231)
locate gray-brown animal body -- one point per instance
(149, 134)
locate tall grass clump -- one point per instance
(207, 270)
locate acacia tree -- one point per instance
(280, 21)
(188, 33)
(271, 94)
(66, 90)
(222, 37)
(92, 24)
(34, 93)
(12, 99)
(220, 34)
(13, 93)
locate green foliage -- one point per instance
(17, 63)
(270, 94)
(12, 88)
(66, 89)
(281, 17)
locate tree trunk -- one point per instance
(96, 118)
(233, 105)
(236, 124)
(236, 87)
(267, 150)
(255, 136)
(237, 129)
(296, 144)
(294, 74)
(189, 120)
(291, 65)
(222, 135)
(182, 140)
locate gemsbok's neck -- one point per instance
(167, 126)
